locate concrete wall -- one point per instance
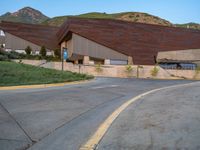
(83, 46)
(117, 71)
(181, 55)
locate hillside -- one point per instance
(189, 25)
(126, 16)
(25, 15)
(30, 15)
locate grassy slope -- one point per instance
(127, 16)
(20, 74)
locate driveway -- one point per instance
(65, 117)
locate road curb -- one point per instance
(43, 85)
(92, 143)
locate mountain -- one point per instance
(126, 16)
(30, 15)
(25, 15)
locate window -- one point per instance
(181, 66)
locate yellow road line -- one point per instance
(41, 85)
(94, 140)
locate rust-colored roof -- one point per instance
(38, 34)
(141, 41)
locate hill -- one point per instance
(25, 15)
(126, 16)
(189, 25)
(30, 15)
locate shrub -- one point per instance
(98, 68)
(43, 51)
(129, 68)
(197, 71)
(154, 71)
(57, 53)
(28, 50)
(3, 58)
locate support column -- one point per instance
(86, 60)
(130, 60)
(107, 62)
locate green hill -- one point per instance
(30, 15)
(189, 25)
(126, 16)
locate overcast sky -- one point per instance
(176, 11)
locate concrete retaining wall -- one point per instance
(116, 70)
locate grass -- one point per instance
(20, 74)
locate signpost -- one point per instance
(64, 56)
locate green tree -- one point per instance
(43, 51)
(28, 50)
(57, 53)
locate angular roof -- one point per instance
(141, 41)
(38, 34)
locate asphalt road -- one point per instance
(165, 120)
(61, 118)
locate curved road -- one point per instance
(168, 119)
(65, 117)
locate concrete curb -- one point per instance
(43, 85)
(92, 143)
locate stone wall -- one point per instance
(116, 70)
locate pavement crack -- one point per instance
(80, 115)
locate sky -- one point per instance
(175, 11)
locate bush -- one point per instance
(154, 71)
(197, 71)
(3, 58)
(28, 50)
(129, 68)
(43, 51)
(57, 53)
(98, 68)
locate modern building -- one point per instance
(92, 41)
(17, 36)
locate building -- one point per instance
(92, 41)
(17, 36)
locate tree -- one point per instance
(43, 51)
(57, 53)
(1, 48)
(28, 50)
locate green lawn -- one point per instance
(20, 74)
